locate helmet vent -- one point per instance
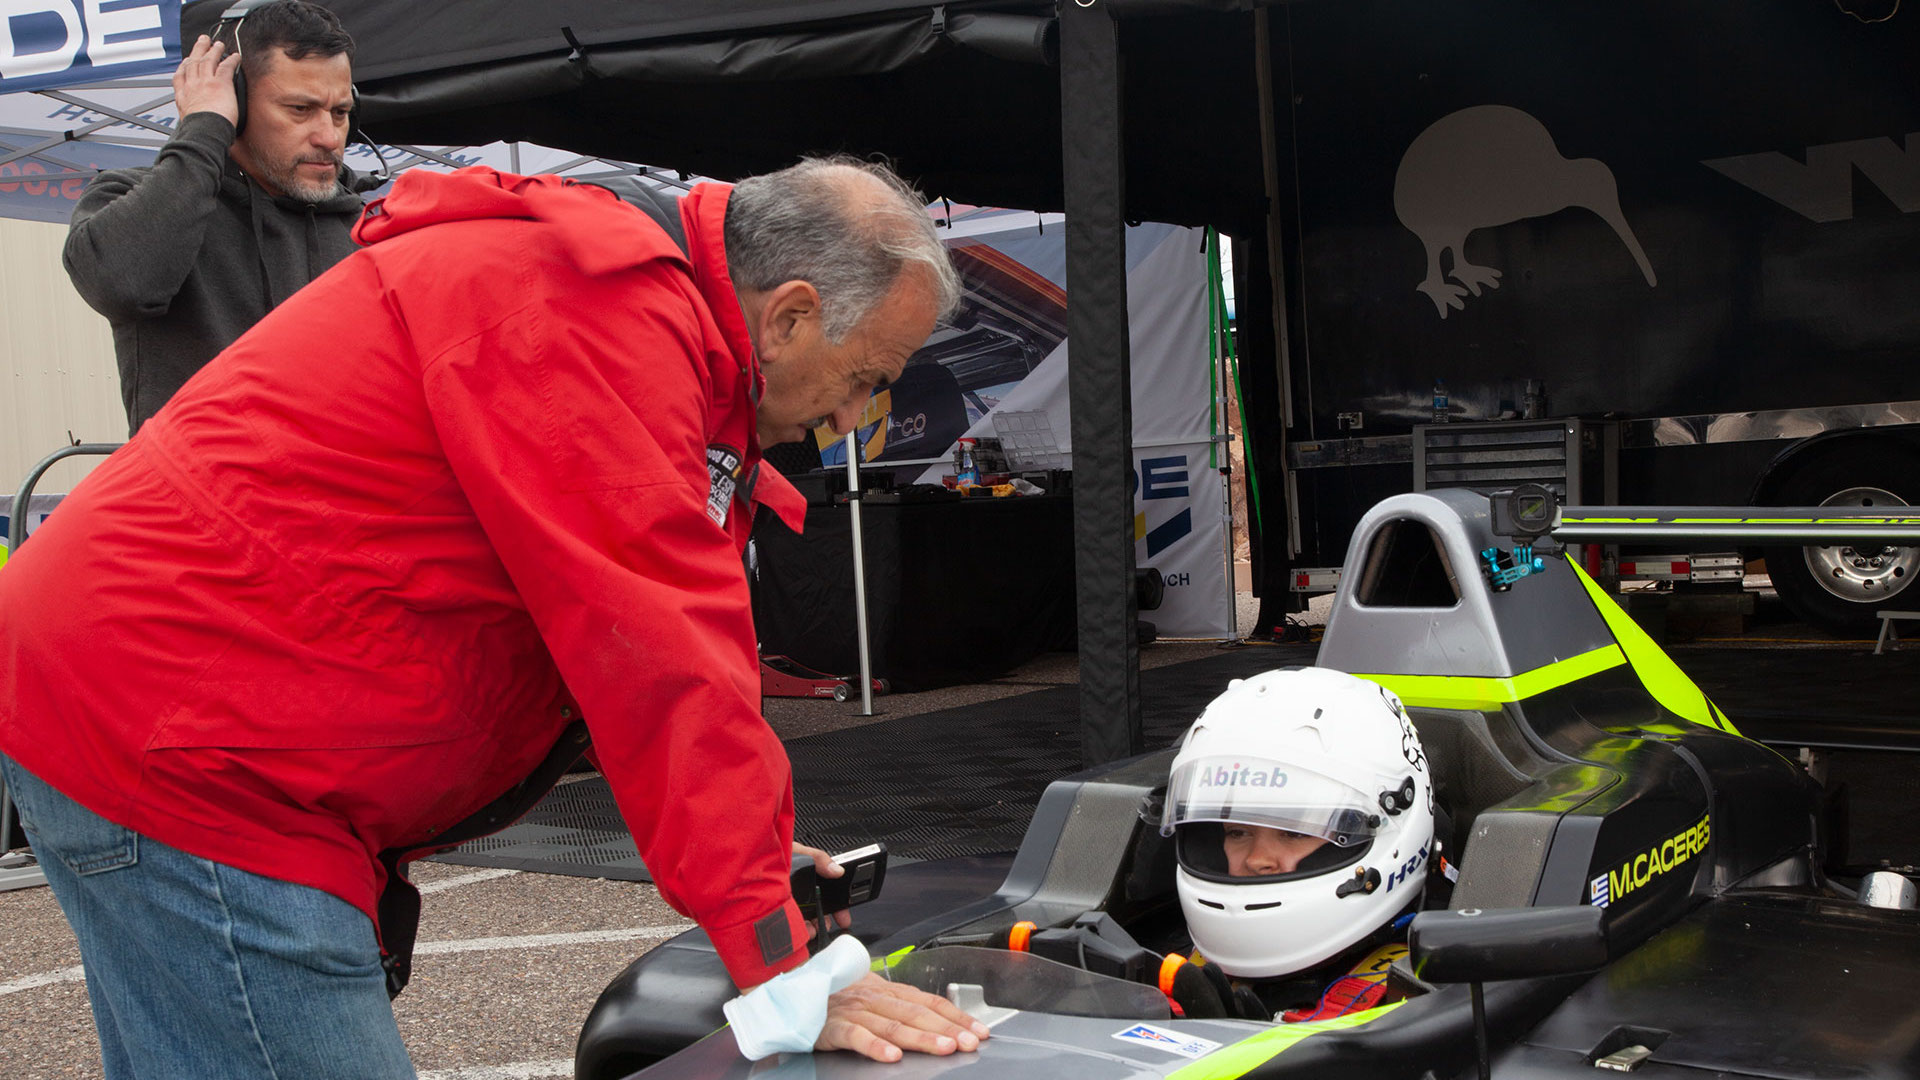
(1212, 904)
(1265, 906)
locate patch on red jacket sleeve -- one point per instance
(776, 937)
(724, 465)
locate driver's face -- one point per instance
(1256, 851)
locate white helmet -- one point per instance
(1311, 751)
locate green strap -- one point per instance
(1216, 312)
(1483, 694)
(1253, 1051)
(892, 958)
(1233, 364)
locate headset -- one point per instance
(228, 30)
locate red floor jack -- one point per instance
(780, 676)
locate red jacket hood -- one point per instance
(596, 244)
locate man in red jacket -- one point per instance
(492, 472)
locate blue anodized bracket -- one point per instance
(1519, 563)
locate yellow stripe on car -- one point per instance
(1487, 694)
(1249, 1053)
(1657, 671)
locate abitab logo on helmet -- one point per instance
(1222, 776)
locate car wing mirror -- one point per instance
(1477, 945)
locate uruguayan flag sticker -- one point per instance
(1173, 1042)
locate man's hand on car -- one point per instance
(880, 1019)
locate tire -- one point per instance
(1841, 586)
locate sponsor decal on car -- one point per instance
(1173, 1042)
(1662, 858)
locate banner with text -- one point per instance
(52, 43)
(998, 369)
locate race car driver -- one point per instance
(1301, 810)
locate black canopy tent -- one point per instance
(1111, 110)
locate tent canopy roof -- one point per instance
(964, 97)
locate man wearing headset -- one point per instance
(246, 203)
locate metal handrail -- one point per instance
(17, 524)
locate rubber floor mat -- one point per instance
(965, 781)
(960, 781)
(576, 830)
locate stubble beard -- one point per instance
(287, 178)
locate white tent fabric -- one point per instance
(1179, 494)
(53, 141)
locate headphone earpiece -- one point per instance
(230, 28)
(240, 100)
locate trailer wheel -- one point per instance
(1840, 586)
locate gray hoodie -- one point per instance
(184, 255)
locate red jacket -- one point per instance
(348, 585)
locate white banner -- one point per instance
(1179, 493)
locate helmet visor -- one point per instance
(1258, 791)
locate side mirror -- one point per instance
(1473, 946)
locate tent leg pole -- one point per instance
(1093, 168)
(859, 574)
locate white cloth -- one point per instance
(785, 1013)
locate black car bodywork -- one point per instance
(1575, 766)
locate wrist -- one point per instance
(202, 124)
(787, 1013)
(756, 951)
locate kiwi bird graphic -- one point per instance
(1491, 165)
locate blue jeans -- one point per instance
(196, 969)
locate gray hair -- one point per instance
(808, 223)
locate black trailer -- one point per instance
(1696, 227)
(1285, 126)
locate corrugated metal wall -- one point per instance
(56, 360)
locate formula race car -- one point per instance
(1639, 887)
